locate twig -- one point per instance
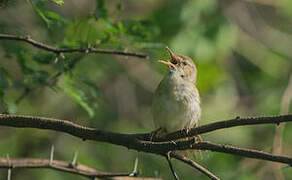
(51, 81)
(46, 47)
(171, 166)
(24, 93)
(63, 166)
(250, 153)
(228, 124)
(194, 165)
(133, 141)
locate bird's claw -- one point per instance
(173, 142)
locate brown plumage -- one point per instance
(176, 102)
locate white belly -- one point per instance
(177, 108)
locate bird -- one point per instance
(176, 101)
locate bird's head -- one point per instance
(182, 66)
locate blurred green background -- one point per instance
(242, 49)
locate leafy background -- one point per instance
(242, 50)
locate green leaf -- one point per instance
(94, 90)
(59, 2)
(78, 95)
(47, 16)
(52, 16)
(40, 12)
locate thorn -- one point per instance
(135, 172)
(173, 142)
(88, 48)
(8, 160)
(52, 155)
(73, 163)
(56, 60)
(9, 174)
(9, 169)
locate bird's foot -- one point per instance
(198, 138)
(185, 131)
(158, 133)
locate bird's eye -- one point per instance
(185, 63)
(182, 76)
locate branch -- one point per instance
(46, 47)
(58, 165)
(171, 166)
(140, 142)
(249, 153)
(194, 165)
(228, 124)
(132, 141)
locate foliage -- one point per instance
(240, 74)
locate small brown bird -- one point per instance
(176, 102)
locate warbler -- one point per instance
(176, 101)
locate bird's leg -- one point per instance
(198, 138)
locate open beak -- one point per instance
(172, 55)
(168, 63)
(173, 60)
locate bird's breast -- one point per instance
(176, 105)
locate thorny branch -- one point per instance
(194, 165)
(250, 153)
(140, 142)
(46, 47)
(63, 166)
(58, 51)
(228, 124)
